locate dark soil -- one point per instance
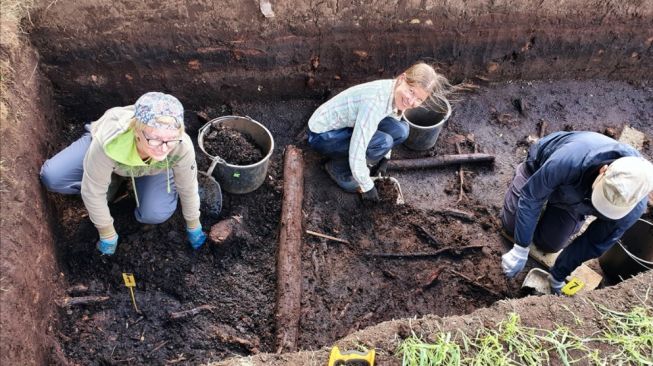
(236, 280)
(344, 288)
(387, 190)
(233, 146)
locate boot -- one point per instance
(340, 172)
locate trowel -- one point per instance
(537, 281)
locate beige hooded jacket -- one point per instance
(102, 159)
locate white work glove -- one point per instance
(514, 261)
(556, 286)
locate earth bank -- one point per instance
(84, 57)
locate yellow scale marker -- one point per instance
(573, 286)
(131, 283)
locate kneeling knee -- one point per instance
(152, 218)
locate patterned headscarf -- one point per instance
(153, 105)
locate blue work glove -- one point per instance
(107, 246)
(514, 261)
(556, 286)
(196, 237)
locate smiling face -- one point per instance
(148, 137)
(408, 96)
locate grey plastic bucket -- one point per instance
(632, 254)
(239, 179)
(425, 126)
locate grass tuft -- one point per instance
(630, 335)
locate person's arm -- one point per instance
(534, 195)
(367, 121)
(185, 174)
(98, 168)
(600, 235)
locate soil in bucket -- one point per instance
(233, 146)
(388, 192)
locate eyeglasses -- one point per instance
(157, 143)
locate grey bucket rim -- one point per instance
(217, 159)
(638, 260)
(446, 117)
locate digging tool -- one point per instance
(583, 274)
(538, 280)
(130, 282)
(395, 183)
(351, 358)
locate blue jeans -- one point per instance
(335, 144)
(63, 174)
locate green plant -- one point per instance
(444, 351)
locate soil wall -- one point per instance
(101, 53)
(29, 277)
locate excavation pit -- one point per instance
(278, 74)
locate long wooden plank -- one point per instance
(440, 160)
(289, 266)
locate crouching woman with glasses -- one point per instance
(144, 143)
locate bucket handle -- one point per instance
(640, 261)
(215, 159)
(215, 162)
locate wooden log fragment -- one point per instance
(441, 160)
(476, 283)
(289, 277)
(422, 254)
(314, 233)
(82, 300)
(189, 313)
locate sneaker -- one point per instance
(339, 171)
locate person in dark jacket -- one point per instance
(566, 177)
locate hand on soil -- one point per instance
(371, 196)
(196, 237)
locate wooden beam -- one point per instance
(441, 160)
(289, 276)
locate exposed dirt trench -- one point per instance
(580, 72)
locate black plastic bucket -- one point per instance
(425, 126)
(632, 254)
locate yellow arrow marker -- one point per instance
(131, 283)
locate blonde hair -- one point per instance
(136, 125)
(424, 76)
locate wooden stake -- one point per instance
(82, 300)
(438, 161)
(289, 265)
(475, 283)
(422, 254)
(432, 241)
(192, 312)
(309, 232)
(461, 174)
(463, 215)
(542, 128)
